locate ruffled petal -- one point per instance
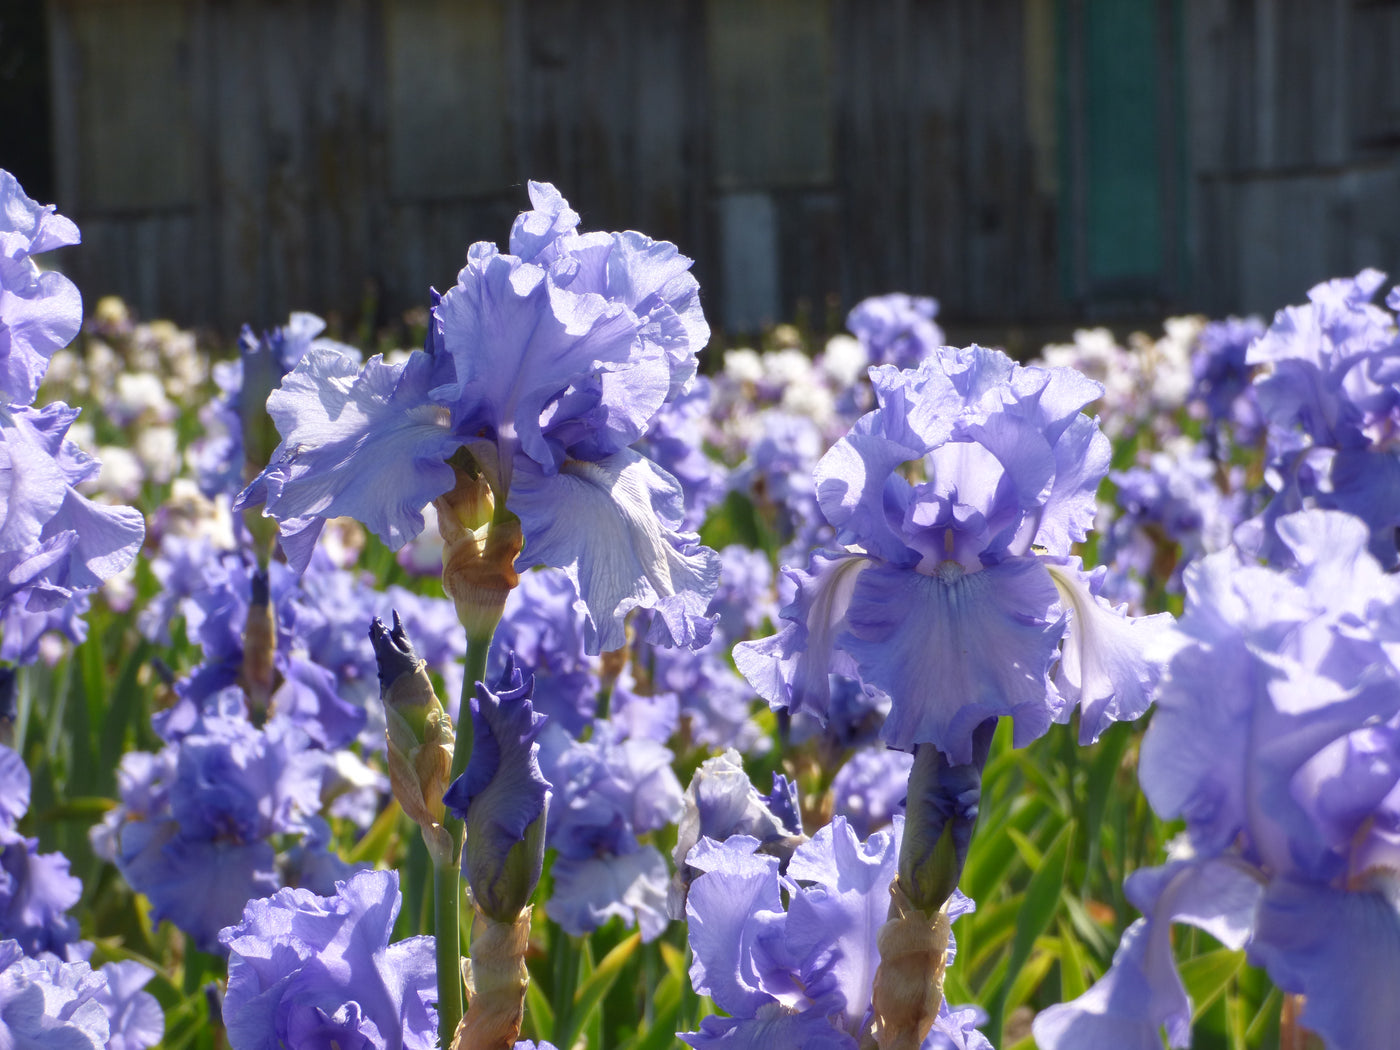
(518, 341)
(367, 443)
(845, 908)
(792, 668)
(588, 892)
(954, 649)
(1108, 667)
(610, 526)
(39, 311)
(728, 910)
(1142, 991)
(771, 1026)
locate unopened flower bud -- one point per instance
(419, 735)
(940, 814)
(502, 797)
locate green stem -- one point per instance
(447, 896)
(447, 879)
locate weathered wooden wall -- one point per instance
(1295, 145)
(231, 160)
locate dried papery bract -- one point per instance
(909, 982)
(481, 540)
(496, 983)
(258, 675)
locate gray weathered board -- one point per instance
(231, 160)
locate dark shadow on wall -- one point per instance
(26, 143)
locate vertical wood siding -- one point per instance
(232, 160)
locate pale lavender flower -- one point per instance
(1328, 390)
(48, 1002)
(236, 421)
(939, 596)
(800, 973)
(544, 366)
(870, 787)
(1277, 740)
(195, 828)
(55, 544)
(40, 312)
(36, 889)
(897, 329)
(608, 792)
(309, 970)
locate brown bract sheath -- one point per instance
(496, 984)
(909, 983)
(478, 553)
(258, 673)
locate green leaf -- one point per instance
(1207, 976)
(1032, 857)
(124, 710)
(539, 1015)
(1073, 968)
(1038, 908)
(87, 810)
(374, 844)
(591, 992)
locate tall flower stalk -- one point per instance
(952, 590)
(542, 367)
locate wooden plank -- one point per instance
(872, 120)
(446, 68)
(134, 123)
(938, 165)
(750, 284)
(770, 88)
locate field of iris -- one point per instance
(777, 649)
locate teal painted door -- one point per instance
(1120, 118)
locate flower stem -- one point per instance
(447, 895)
(447, 878)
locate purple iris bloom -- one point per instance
(323, 659)
(40, 312)
(1223, 376)
(36, 889)
(195, 828)
(234, 421)
(777, 476)
(609, 791)
(134, 1016)
(544, 365)
(1330, 396)
(1173, 510)
(870, 787)
(800, 974)
(675, 442)
(55, 544)
(721, 801)
(939, 595)
(309, 970)
(48, 1002)
(1276, 738)
(543, 628)
(897, 329)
